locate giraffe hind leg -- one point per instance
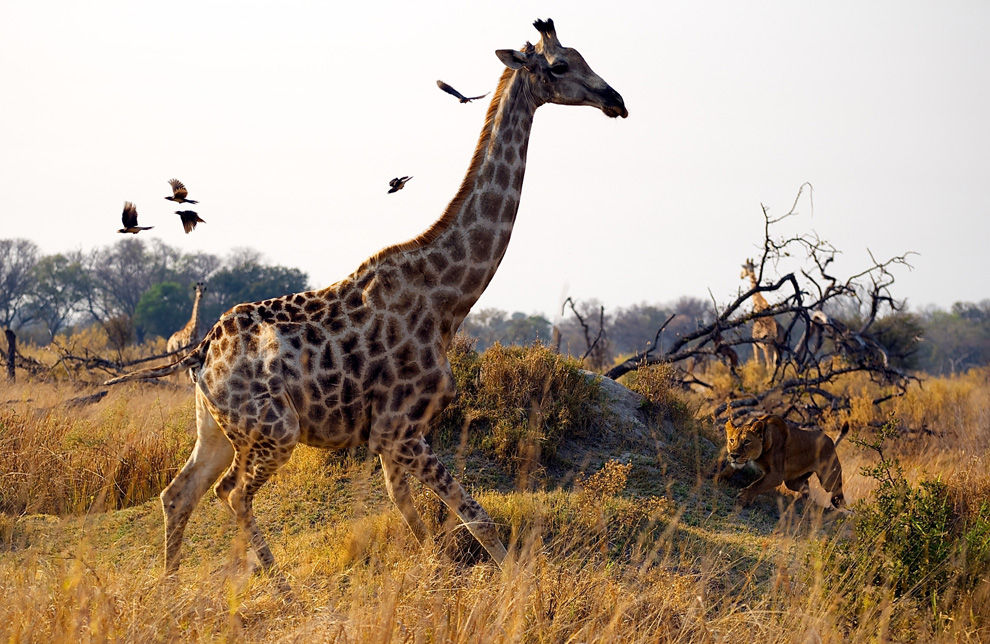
(212, 453)
(255, 461)
(426, 467)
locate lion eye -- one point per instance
(558, 68)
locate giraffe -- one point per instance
(364, 360)
(190, 332)
(767, 333)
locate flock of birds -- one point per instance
(190, 218)
(398, 183)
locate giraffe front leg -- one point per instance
(398, 490)
(426, 467)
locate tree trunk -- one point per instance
(11, 353)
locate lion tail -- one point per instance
(192, 360)
(842, 432)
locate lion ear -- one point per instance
(760, 427)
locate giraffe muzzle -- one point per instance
(612, 103)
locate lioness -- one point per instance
(785, 455)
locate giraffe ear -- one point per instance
(511, 58)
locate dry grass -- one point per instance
(59, 459)
(641, 549)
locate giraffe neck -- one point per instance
(759, 302)
(193, 324)
(483, 219)
(455, 259)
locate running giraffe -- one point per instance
(364, 360)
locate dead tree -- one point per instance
(72, 363)
(594, 348)
(816, 347)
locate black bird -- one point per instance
(453, 92)
(189, 219)
(178, 192)
(397, 184)
(129, 217)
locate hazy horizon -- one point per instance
(287, 120)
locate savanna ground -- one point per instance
(615, 531)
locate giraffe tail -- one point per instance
(191, 360)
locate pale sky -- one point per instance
(287, 119)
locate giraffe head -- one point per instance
(200, 288)
(559, 74)
(748, 269)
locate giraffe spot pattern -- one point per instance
(321, 366)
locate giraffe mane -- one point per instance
(440, 225)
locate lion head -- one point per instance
(744, 443)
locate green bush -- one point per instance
(518, 402)
(916, 540)
(656, 383)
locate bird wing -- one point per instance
(474, 98)
(178, 190)
(189, 219)
(394, 182)
(450, 90)
(129, 215)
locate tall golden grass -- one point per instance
(639, 549)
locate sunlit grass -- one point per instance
(632, 544)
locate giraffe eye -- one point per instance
(558, 68)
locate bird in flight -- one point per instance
(189, 219)
(453, 92)
(178, 192)
(397, 184)
(129, 218)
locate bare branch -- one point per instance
(813, 347)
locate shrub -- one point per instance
(519, 402)
(926, 541)
(656, 383)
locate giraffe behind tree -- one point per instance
(768, 335)
(188, 334)
(365, 359)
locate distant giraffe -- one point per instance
(767, 333)
(365, 360)
(188, 334)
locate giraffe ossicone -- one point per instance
(364, 360)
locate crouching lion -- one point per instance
(784, 454)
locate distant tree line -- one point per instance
(932, 340)
(626, 330)
(136, 290)
(133, 289)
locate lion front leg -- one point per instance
(722, 470)
(765, 483)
